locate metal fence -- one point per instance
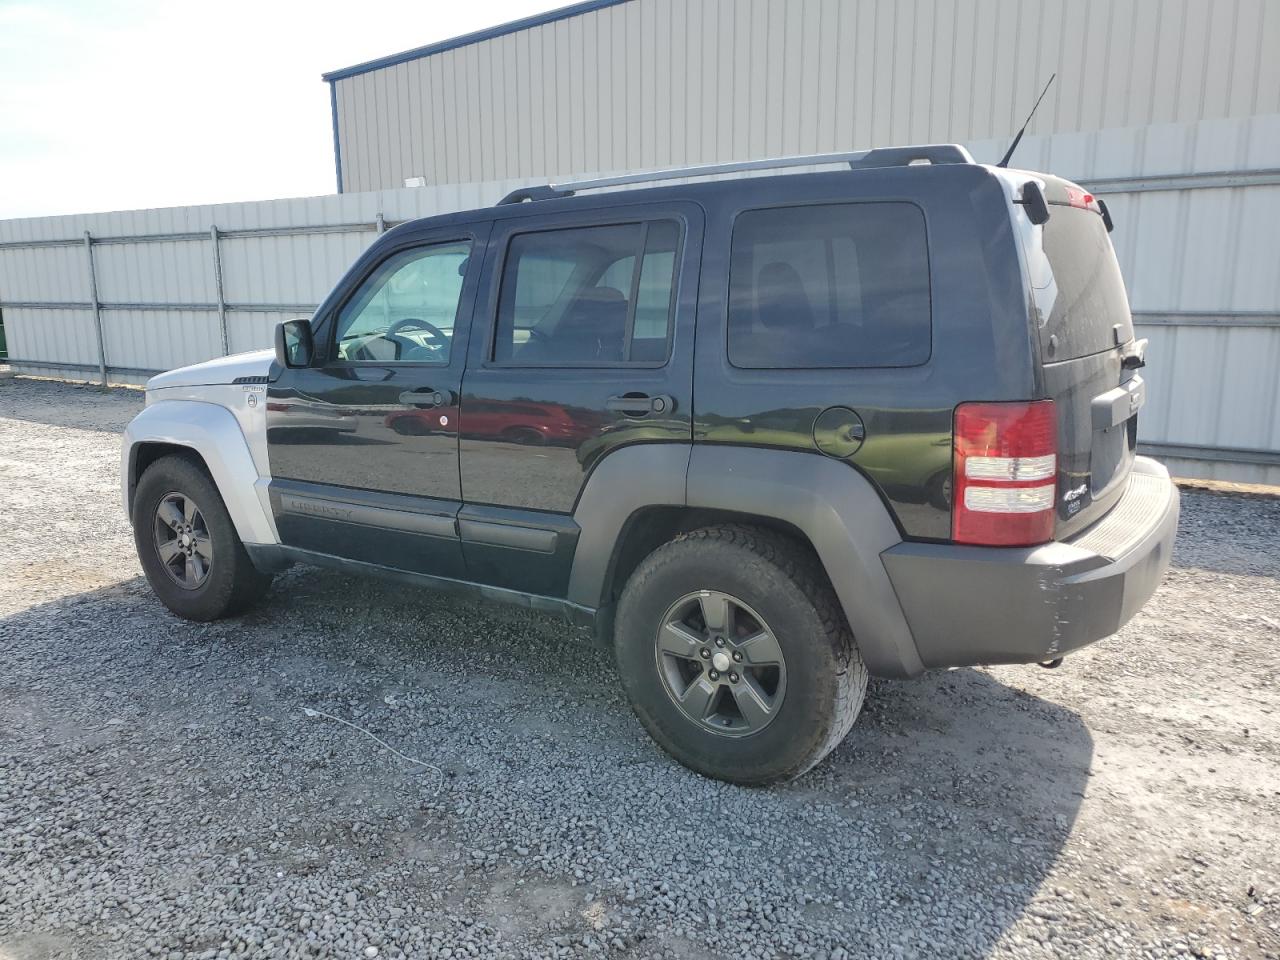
(123, 295)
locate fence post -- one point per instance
(217, 286)
(97, 310)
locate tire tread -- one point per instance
(797, 562)
(226, 596)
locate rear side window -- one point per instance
(590, 295)
(1086, 297)
(839, 285)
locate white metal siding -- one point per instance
(663, 82)
(294, 270)
(1193, 256)
(1204, 256)
(153, 272)
(55, 335)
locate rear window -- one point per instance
(836, 285)
(1085, 299)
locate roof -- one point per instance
(515, 26)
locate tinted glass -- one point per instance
(405, 310)
(1087, 294)
(578, 296)
(843, 285)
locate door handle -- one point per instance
(641, 404)
(423, 398)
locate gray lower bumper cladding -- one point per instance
(974, 605)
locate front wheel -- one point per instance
(736, 656)
(188, 546)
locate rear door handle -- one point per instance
(641, 405)
(423, 398)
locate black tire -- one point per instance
(939, 487)
(232, 583)
(527, 436)
(782, 582)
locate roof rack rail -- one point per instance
(929, 153)
(547, 192)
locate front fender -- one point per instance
(214, 433)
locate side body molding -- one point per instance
(213, 432)
(843, 517)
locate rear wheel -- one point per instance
(529, 436)
(736, 654)
(188, 545)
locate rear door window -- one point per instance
(588, 295)
(837, 285)
(1085, 299)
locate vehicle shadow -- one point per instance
(932, 827)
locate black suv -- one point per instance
(766, 435)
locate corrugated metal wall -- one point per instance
(1201, 268)
(660, 82)
(1147, 92)
(1199, 260)
(157, 286)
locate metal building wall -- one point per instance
(1194, 241)
(159, 299)
(647, 83)
(1196, 207)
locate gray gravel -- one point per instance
(162, 792)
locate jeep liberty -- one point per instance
(766, 436)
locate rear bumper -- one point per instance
(971, 605)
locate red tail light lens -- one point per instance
(1006, 466)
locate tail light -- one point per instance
(1006, 465)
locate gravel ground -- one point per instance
(163, 792)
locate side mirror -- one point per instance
(295, 346)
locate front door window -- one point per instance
(405, 311)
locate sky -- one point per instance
(122, 104)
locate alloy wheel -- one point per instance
(720, 663)
(182, 540)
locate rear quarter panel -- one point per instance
(981, 343)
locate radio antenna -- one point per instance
(1018, 139)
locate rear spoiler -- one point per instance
(1037, 204)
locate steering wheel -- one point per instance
(440, 340)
